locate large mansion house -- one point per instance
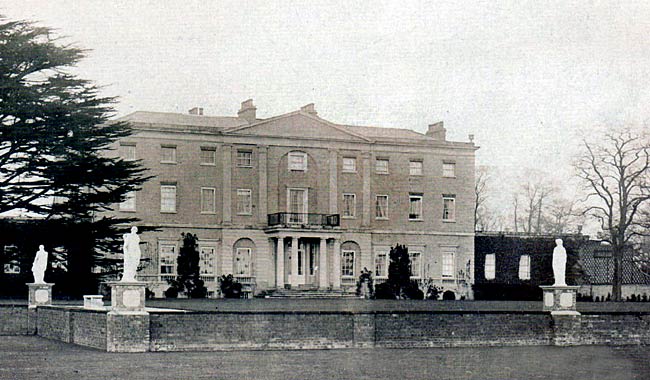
(296, 201)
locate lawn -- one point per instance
(38, 358)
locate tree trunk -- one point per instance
(617, 280)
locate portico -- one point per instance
(305, 259)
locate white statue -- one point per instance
(39, 265)
(131, 249)
(559, 264)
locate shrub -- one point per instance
(365, 277)
(412, 291)
(171, 292)
(433, 292)
(230, 288)
(449, 296)
(384, 292)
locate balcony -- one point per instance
(292, 219)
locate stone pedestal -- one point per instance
(127, 323)
(127, 297)
(40, 294)
(560, 300)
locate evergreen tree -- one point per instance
(189, 279)
(399, 270)
(54, 131)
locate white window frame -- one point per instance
(448, 214)
(207, 258)
(305, 205)
(344, 269)
(163, 208)
(213, 156)
(449, 169)
(244, 208)
(353, 210)
(349, 165)
(490, 266)
(448, 268)
(377, 204)
(249, 257)
(385, 253)
(379, 169)
(129, 203)
(416, 167)
(302, 166)
(172, 263)
(524, 267)
(172, 149)
(421, 198)
(244, 158)
(417, 273)
(128, 151)
(204, 191)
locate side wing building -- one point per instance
(295, 201)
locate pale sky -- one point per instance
(523, 77)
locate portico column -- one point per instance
(279, 263)
(336, 265)
(322, 264)
(294, 260)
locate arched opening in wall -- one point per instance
(350, 261)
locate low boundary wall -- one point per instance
(216, 331)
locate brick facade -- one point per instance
(216, 164)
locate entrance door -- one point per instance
(297, 205)
(299, 279)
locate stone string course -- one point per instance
(215, 331)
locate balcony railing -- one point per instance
(298, 219)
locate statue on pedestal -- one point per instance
(131, 249)
(39, 265)
(559, 264)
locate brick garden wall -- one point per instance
(220, 331)
(13, 320)
(88, 328)
(213, 331)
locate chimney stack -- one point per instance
(437, 131)
(196, 111)
(248, 111)
(309, 108)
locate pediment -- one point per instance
(297, 125)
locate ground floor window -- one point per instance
(490, 266)
(167, 259)
(243, 262)
(381, 264)
(416, 263)
(448, 265)
(524, 267)
(206, 263)
(347, 263)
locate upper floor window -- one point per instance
(448, 169)
(349, 164)
(449, 208)
(244, 202)
(381, 207)
(490, 266)
(381, 165)
(206, 263)
(524, 267)
(208, 200)
(349, 205)
(167, 258)
(208, 156)
(415, 167)
(168, 154)
(416, 264)
(129, 202)
(448, 265)
(298, 161)
(244, 158)
(168, 198)
(127, 151)
(415, 207)
(381, 264)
